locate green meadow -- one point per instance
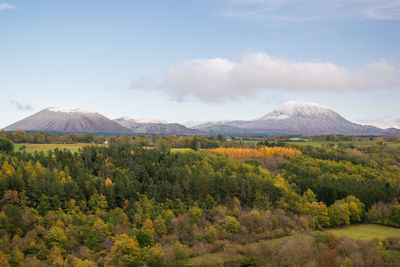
(31, 148)
(365, 231)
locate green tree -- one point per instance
(152, 257)
(56, 237)
(319, 214)
(395, 215)
(195, 213)
(356, 208)
(3, 260)
(339, 213)
(160, 226)
(210, 234)
(145, 238)
(44, 205)
(98, 203)
(230, 224)
(125, 252)
(17, 257)
(162, 145)
(6, 145)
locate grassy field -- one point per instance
(365, 231)
(31, 148)
(248, 141)
(181, 149)
(356, 143)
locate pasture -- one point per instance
(365, 231)
(31, 148)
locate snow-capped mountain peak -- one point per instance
(69, 110)
(297, 108)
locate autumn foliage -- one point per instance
(263, 152)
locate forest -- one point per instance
(138, 202)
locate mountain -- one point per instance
(291, 118)
(299, 118)
(132, 122)
(152, 126)
(68, 120)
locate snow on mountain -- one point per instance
(297, 108)
(70, 110)
(192, 124)
(140, 119)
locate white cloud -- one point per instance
(6, 6)
(300, 10)
(221, 79)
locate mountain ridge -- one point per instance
(290, 118)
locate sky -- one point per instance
(200, 60)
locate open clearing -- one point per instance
(181, 149)
(365, 231)
(31, 148)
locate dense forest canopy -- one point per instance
(137, 202)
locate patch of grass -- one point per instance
(31, 148)
(277, 240)
(308, 143)
(255, 142)
(174, 150)
(365, 231)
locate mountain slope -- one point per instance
(68, 120)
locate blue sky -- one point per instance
(201, 59)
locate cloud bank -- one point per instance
(6, 6)
(311, 10)
(219, 79)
